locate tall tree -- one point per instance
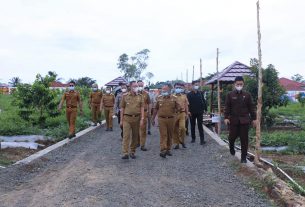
(298, 78)
(54, 75)
(133, 67)
(85, 81)
(15, 81)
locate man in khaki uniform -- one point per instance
(95, 104)
(132, 117)
(107, 103)
(143, 130)
(182, 115)
(166, 108)
(72, 99)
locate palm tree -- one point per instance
(15, 81)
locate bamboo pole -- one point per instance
(218, 94)
(260, 97)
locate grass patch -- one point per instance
(55, 127)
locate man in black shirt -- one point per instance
(197, 106)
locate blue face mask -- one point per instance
(165, 93)
(94, 89)
(178, 90)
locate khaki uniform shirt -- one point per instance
(108, 100)
(132, 104)
(146, 100)
(72, 98)
(95, 97)
(182, 101)
(167, 106)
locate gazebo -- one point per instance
(227, 76)
(115, 82)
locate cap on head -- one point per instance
(239, 78)
(73, 82)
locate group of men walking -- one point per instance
(172, 108)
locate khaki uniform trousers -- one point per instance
(108, 111)
(143, 131)
(96, 112)
(71, 114)
(179, 128)
(166, 129)
(131, 127)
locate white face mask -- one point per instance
(238, 88)
(94, 89)
(71, 88)
(196, 87)
(140, 88)
(136, 89)
(108, 91)
(124, 90)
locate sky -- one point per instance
(78, 38)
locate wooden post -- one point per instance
(201, 74)
(218, 94)
(211, 100)
(260, 96)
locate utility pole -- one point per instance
(201, 74)
(193, 72)
(187, 75)
(260, 92)
(218, 93)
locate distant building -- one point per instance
(4, 88)
(59, 85)
(292, 88)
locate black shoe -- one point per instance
(187, 133)
(95, 124)
(99, 122)
(71, 136)
(169, 153)
(243, 160)
(183, 145)
(143, 149)
(138, 145)
(125, 157)
(202, 142)
(107, 129)
(163, 155)
(148, 133)
(111, 129)
(232, 150)
(193, 141)
(177, 146)
(132, 156)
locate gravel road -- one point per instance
(89, 171)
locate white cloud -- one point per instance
(85, 37)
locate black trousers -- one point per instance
(241, 131)
(199, 118)
(187, 125)
(119, 121)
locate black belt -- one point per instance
(137, 115)
(167, 117)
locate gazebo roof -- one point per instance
(229, 73)
(116, 81)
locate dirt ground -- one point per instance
(89, 171)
